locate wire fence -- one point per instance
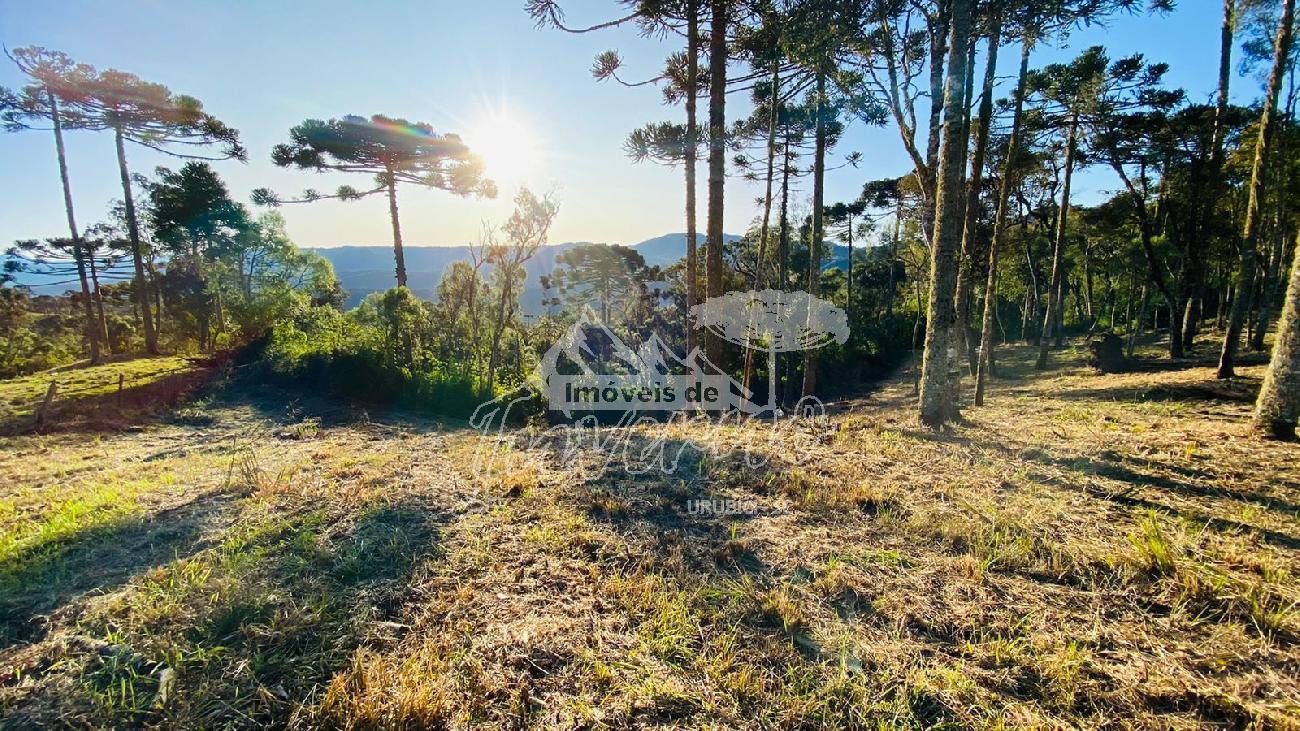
(118, 384)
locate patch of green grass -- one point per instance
(871, 557)
(1156, 554)
(277, 606)
(19, 397)
(26, 543)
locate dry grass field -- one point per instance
(1085, 551)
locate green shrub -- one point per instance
(328, 352)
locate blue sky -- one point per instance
(264, 66)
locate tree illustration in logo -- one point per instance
(777, 321)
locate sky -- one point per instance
(480, 69)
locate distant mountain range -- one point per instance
(367, 269)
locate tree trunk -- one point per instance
(937, 405)
(1274, 275)
(783, 236)
(1273, 282)
(78, 251)
(141, 285)
(157, 291)
(1220, 319)
(893, 257)
(1128, 302)
(1278, 405)
(1190, 322)
(220, 312)
(940, 29)
(1032, 315)
(1194, 281)
(848, 276)
(99, 304)
(771, 379)
(973, 182)
(1000, 218)
(783, 257)
(1250, 236)
(1054, 296)
(717, 161)
(495, 351)
(1087, 282)
(918, 335)
(765, 226)
(1141, 319)
(398, 254)
(818, 233)
(474, 325)
(1025, 308)
(692, 147)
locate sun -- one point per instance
(507, 145)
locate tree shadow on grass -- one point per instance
(1236, 390)
(284, 407)
(1134, 479)
(1207, 360)
(283, 604)
(1137, 480)
(351, 581)
(44, 575)
(676, 497)
(112, 411)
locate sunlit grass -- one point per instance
(283, 569)
(20, 397)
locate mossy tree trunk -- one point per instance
(937, 407)
(1245, 280)
(1278, 405)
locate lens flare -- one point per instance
(507, 145)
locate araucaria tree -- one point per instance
(152, 116)
(1062, 95)
(391, 150)
(53, 78)
(196, 223)
(607, 274)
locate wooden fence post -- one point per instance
(43, 412)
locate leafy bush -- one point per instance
(24, 351)
(360, 358)
(32, 341)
